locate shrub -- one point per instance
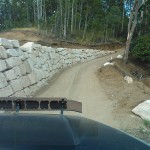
(140, 48)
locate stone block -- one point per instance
(27, 91)
(15, 43)
(25, 81)
(23, 69)
(13, 53)
(17, 71)
(33, 78)
(7, 91)
(16, 85)
(20, 94)
(143, 110)
(2, 65)
(13, 61)
(28, 67)
(3, 54)
(6, 43)
(10, 75)
(27, 47)
(3, 81)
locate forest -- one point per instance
(89, 21)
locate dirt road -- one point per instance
(81, 83)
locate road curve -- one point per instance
(80, 82)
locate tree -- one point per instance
(132, 24)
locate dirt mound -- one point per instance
(125, 96)
(33, 35)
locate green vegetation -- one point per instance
(140, 48)
(83, 20)
(147, 123)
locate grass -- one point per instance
(147, 123)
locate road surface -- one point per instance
(80, 82)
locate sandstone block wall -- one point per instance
(25, 69)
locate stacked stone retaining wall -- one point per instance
(25, 69)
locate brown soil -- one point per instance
(32, 35)
(126, 96)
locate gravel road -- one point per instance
(80, 83)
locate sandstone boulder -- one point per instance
(15, 43)
(3, 81)
(20, 94)
(128, 79)
(6, 43)
(5, 92)
(2, 65)
(16, 85)
(3, 53)
(10, 75)
(143, 110)
(13, 61)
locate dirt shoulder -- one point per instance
(125, 97)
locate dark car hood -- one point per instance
(58, 132)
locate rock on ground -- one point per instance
(143, 110)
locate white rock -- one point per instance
(33, 78)
(34, 88)
(20, 94)
(7, 91)
(15, 43)
(27, 91)
(25, 81)
(143, 110)
(120, 57)
(2, 65)
(12, 53)
(16, 85)
(3, 53)
(30, 46)
(108, 64)
(28, 67)
(6, 43)
(23, 69)
(27, 47)
(128, 79)
(17, 71)
(10, 75)
(13, 61)
(3, 81)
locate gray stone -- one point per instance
(2, 65)
(28, 67)
(17, 71)
(7, 91)
(143, 110)
(15, 43)
(27, 91)
(3, 81)
(29, 47)
(3, 53)
(25, 81)
(13, 61)
(34, 88)
(12, 53)
(33, 78)
(23, 69)
(20, 94)
(10, 75)
(6, 43)
(128, 79)
(16, 85)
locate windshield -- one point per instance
(96, 52)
